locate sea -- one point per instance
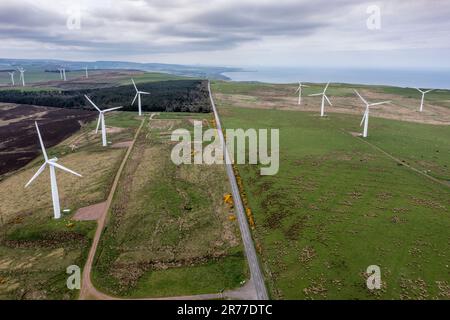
(436, 79)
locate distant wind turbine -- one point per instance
(22, 75)
(12, 78)
(299, 90)
(138, 96)
(62, 72)
(365, 118)
(324, 97)
(87, 74)
(423, 97)
(51, 165)
(101, 119)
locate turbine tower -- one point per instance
(138, 96)
(324, 97)
(51, 163)
(101, 119)
(299, 90)
(22, 75)
(365, 118)
(87, 74)
(12, 78)
(423, 97)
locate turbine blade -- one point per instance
(40, 141)
(326, 87)
(98, 123)
(364, 100)
(419, 90)
(92, 103)
(64, 168)
(314, 95)
(135, 97)
(428, 90)
(378, 103)
(143, 92)
(298, 89)
(36, 174)
(134, 84)
(111, 109)
(328, 100)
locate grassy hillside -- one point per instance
(338, 205)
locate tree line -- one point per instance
(173, 95)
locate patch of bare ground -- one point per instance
(401, 108)
(89, 213)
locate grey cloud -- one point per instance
(158, 26)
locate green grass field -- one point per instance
(338, 205)
(168, 231)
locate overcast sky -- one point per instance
(413, 33)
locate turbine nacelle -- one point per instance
(138, 97)
(423, 97)
(324, 98)
(101, 119)
(365, 118)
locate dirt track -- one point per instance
(88, 290)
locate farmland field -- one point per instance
(338, 204)
(168, 231)
(35, 249)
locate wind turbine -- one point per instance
(324, 97)
(138, 96)
(62, 72)
(101, 119)
(423, 97)
(299, 90)
(12, 77)
(22, 76)
(365, 118)
(52, 163)
(87, 74)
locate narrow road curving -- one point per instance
(256, 275)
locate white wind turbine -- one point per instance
(62, 73)
(22, 76)
(87, 74)
(51, 165)
(138, 96)
(365, 118)
(423, 97)
(324, 97)
(101, 119)
(12, 77)
(299, 90)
